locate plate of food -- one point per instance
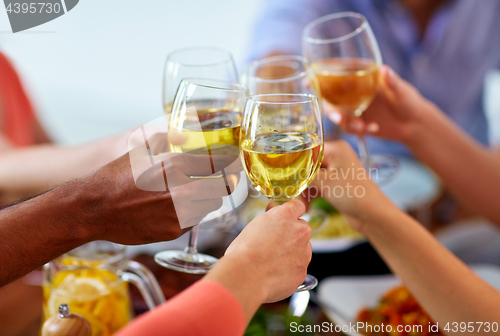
(373, 299)
(330, 231)
(335, 234)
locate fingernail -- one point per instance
(335, 118)
(356, 125)
(372, 127)
(232, 181)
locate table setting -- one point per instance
(257, 134)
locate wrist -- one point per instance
(372, 210)
(63, 208)
(378, 217)
(420, 125)
(86, 205)
(239, 276)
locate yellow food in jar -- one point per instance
(96, 294)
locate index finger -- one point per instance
(198, 164)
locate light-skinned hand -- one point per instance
(393, 113)
(269, 258)
(345, 183)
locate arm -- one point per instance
(447, 289)
(258, 267)
(28, 171)
(468, 169)
(40, 229)
(108, 205)
(443, 285)
(205, 308)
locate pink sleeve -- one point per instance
(205, 308)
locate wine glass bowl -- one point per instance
(207, 116)
(196, 62)
(280, 74)
(281, 143)
(345, 59)
(348, 85)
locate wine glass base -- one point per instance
(181, 261)
(383, 168)
(309, 283)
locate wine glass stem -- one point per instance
(193, 240)
(364, 154)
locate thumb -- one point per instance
(391, 80)
(297, 207)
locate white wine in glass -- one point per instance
(282, 165)
(199, 62)
(284, 74)
(349, 84)
(282, 147)
(346, 59)
(219, 131)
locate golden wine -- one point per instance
(349, 84)
(207, 132)
(281, 165)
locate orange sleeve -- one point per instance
(18, 120)
(204, 309)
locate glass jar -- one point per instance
(93, 281)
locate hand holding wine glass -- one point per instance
(205, 123)
(286, 74)
(277, 260)
(346, 60)
(339, 156)
(393, 113)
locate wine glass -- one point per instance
(200, 62)
(286, 74)
(206, 115)
(196, 62)
(280, 74)
(282, 146)
(346, 59)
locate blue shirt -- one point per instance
(447, 65)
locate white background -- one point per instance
(97, 70)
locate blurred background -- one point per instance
(97, 70)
